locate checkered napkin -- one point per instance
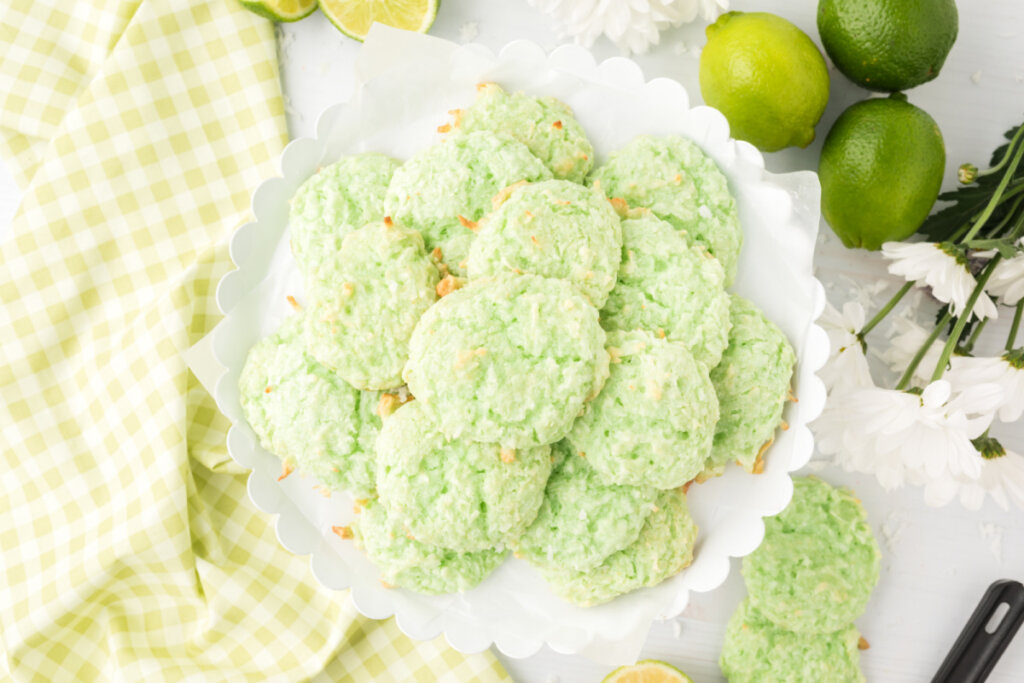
(128, 547)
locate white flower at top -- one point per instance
(1002, 479)
(846, 368)
(941, 267)
(907, 338)
(1007, 280)
(1007, 371)
(633, 25)
(898, 435)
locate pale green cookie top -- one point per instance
(459, 494)
(663, 549)
(583, 520)
(669, 287)
(653, 422)
(752, 382)
(556, 229)
(417, 566)
(308, 416)
(544, 124)
(335, 201)
(673, 177)
(457, 177)
(818, 563)
(368, 300)
(508, 360)
(755, 651)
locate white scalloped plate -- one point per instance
(405, 84)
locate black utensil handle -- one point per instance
(976, 651)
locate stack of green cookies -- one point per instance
(565, 332)
(807, 582)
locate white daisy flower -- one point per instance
(1007, 280)
(1002, 479)
(941, 267)
(898, 435)
(846, 367)
(1007, 371)
(633, 25)
(908, 337)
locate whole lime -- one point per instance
(888, 45)
(881, 170)
(766, 76)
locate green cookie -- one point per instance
(673, 177)
(544, 124)
(818, 563)
(459, 494)
(508, 360)
(308, 416)
(417, 566)
(369, 298)
(653, 422)
(445, 189)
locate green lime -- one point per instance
(881, 169)
(647, 671)
(888, 45)
(766, 76)
(280, 10)
(355, 17)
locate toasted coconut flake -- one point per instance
(386, 584)
(447, 285)
(557, 124)
(437, 254)
(620, 206)
(389, 403)
(268, 390)
(466, 223)
(687, 485)
(504, 193)
(322, 490)
(863, 644)
(342, 532)
(784, 425)
(508, 455)
(293, 303)
(286, 469)
(446, 128)
(790, 396)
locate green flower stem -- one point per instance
(1015, 189)
(1006, 157)
(961, 322)
(919, 356)
(1012, 338)
(1003, 182)
(871, 324)
(1010, 214)
(975, 333)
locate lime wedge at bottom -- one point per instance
(280, 10)
(355, 17)
(647, 671)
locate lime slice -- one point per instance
(355, 17)
(280, 10)
(647, 671)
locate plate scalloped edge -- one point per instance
(299, 535)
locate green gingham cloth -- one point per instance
(128, 547)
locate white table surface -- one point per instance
(936, 563)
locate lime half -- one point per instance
(355, 17)
(647, 671)
(280, 10)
